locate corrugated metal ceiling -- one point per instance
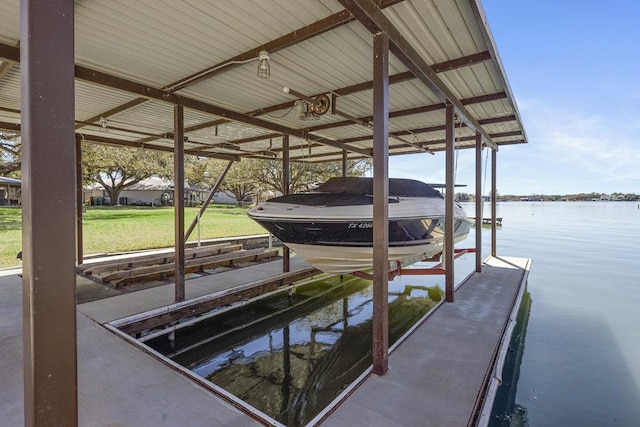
(160, 43)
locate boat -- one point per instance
(332, 227)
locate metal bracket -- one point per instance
(399, 270)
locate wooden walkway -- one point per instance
(125, 305)
(145, 266)
(438, 374)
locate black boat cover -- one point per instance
(398, 187)
(326, 199)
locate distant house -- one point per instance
(608, 198)
(10, 192)
(153, 191)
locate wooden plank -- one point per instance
(191, 265)
(247, 242)
(151, 259)
(169, 265)
(226, 297)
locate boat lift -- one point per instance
(398, 268)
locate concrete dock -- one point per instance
(436, 375)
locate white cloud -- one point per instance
(569, 151)
(591, 147)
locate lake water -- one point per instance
(577, 355)
(290, 354)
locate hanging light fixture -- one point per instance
(264, 70)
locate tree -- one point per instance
(303, 176)
(10, 150)
(239, 184)
(463, 197)
(251, 177)
(203, 172)
(116, 168)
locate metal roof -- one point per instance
(134, 59)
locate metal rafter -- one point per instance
(297, 36)
(412, 111)
(7, 65)
(372, 18)
(393, 114)
(301, 34)
(10, 54)
(15, 127)
(149, 92)
(453, 64)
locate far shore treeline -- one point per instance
(580, 197)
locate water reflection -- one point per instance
(292, 354)
(506, 412)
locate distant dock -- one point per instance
(487, 221)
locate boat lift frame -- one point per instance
(397, 268)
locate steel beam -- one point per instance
(345, 163)
(348, 90)
(380, 203)
(119, 142)
(447, 254)
(178, 200)
(370, 15)
(403, 113)
(149, 92)
(48, 213)
(494, 198)
(206, 202)
(15, 127)
(286, 183)
(93, 76)
(79, 201)
(6, 66)
(479, 202)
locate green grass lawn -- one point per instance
(108, 229)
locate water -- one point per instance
(575, 354)
(290, 355)
(576, 357)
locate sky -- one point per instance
(574, 70)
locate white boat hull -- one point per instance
(334, 232)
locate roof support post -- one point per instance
(380, 203)
(79, 201)
(286, 182)
(345, 163)
(213, 191)
(48, 213)
(494, 197)
(178, 199)
(479, 202)
(448, 200)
